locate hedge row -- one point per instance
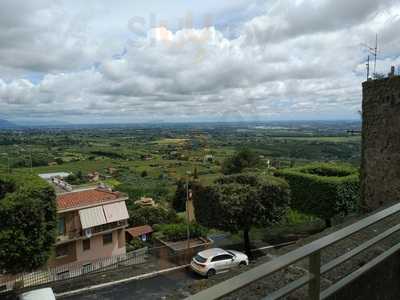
(324, 190)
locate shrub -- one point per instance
(149, 215)
(76, 179)
(324, 190)
(135, 244)
(178, 231)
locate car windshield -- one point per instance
(230, 252)
(200, 258)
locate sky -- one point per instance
(98, 61)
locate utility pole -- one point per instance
(368, 69)
(187, 211)
(187, 218)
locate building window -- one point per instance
(62, 250)
(61, 225)
(107, 238)
(86, 244)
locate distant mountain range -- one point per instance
(6, 124)
(348, 124)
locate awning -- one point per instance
(116, 212)
(91, 217)
(140, 230)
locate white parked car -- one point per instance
(212, 261)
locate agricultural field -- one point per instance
(146, 160)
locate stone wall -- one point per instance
(380, 173)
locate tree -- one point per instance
(324, 190)
(239, 202)
(179, 200)
(27, 223)
(195, 174)
(59, 160)
(243, 159)
(150, 215)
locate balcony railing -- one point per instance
(109, 226)
(79, 233)
(312, 252)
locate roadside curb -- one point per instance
(102, 285)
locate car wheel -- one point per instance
(211, 273)
(242, 264)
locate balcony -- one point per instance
(109, 226)
(360, 261)
(77, 234)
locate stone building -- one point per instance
(381, 142)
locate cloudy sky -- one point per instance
(98, 61)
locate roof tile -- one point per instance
(85, 198)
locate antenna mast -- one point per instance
(375, 52)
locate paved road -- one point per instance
(147, 289)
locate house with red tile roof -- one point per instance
(91, 225)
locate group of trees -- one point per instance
(27, 223)
(244, 199)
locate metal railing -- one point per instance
(79, 233)
(73, 270)
(312, 252)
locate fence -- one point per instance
(73, 270)
(312, 252)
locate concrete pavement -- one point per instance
(166, 286)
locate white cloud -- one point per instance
(297, 59)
